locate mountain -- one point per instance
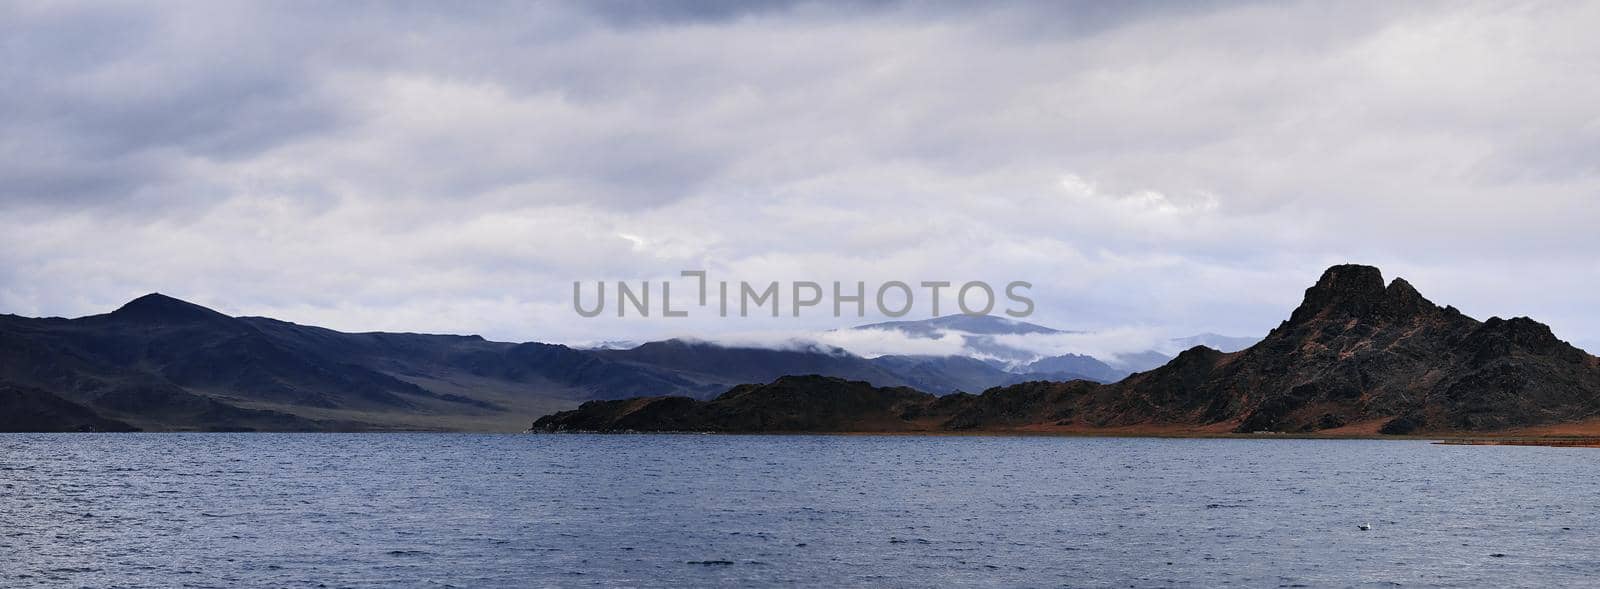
(1357, 350)
(967, 324)
(950, 374)
(160, 363)
(1000, 341)
(1087, 366)
(1357, 356)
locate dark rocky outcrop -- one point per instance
(789, 404)
(1358, 350)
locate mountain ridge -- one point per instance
(161, 363)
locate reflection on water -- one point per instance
(434, 510)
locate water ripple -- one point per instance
(434, 510)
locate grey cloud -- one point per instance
(116, 100)
(408, 166)
(644, 13)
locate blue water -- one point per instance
(434, 510)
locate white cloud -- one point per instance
(872, 343)
(1105, 345)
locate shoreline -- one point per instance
(1503, 439)
(1443, 440)
(1523, 441)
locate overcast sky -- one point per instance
(1156, 168)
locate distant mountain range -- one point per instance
(997, 341)
(1356, 357)
(160, 363)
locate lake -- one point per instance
(447, 510)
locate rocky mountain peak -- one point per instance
(1399, 289)
(162, 309)
(1348, 289)
(1403, 299)
(1352, 290)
